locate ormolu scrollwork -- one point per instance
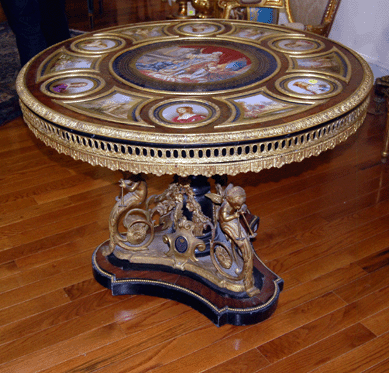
(239, 227)
(170, 229)
(220, 159)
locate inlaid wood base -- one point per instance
(220, 306)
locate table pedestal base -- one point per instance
(191, 245)
(219, 305)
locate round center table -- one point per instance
(200, 100)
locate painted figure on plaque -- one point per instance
(67, 62)
(193, 64)
(97, 44)
(312, 86)
(330, 63)
(69, 87)
(252, 33)
(186, 115)
(297, 44)
(144, 33)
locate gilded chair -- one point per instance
(317, 15)
(312, 15)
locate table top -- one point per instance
(195, 97)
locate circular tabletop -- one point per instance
(195, 97)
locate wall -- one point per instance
(363, 25)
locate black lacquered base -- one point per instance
(220, 307)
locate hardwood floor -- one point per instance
(324, 229)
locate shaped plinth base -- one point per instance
(220, 306)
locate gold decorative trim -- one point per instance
(48, 63)
(200, 93)
(142, 98)
(180, 28)
(276, 41)
(134, 38)
(47, 83)
(308, 86)
(182, 103)
(205, 160)
(202, 299)
(293, 67)
(304, 105)
(258, 133)
(214, 150)
(237, 26)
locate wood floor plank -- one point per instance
(321, 352)
(382, 367)
(375, 261)
(89, 242)
(225, 343)
(16, 205)
(54, 215)
(304, 292)
(20, 163)
(359, 359)
(321, 192)
(346, 256)
(48, 285)
(52, 335)
(62, 351)
(8, 269)
(33, 306)
(36, 324)
(74, 186)
(378, 323)
(40, 244)
(83, 289)
(333, 244)
(44, 175)
(330, 208)
(323, 231)
(30, 211)
(152, 317)
(367, 218)
(248, 362)
(360, 311)
(138, 347)
(45, 271)
(47, 228)
(278, 249)
(364, 286)
(44, 192)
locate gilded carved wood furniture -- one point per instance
(312, 15)
(196, 99)
(317, 15)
